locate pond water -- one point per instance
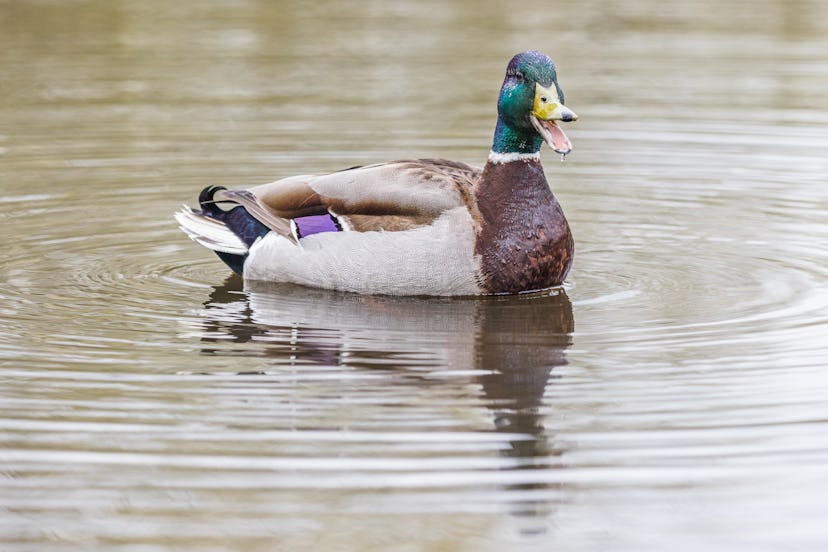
(673, 393)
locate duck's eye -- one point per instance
(519, 76)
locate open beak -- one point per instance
(547, 110)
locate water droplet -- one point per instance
(563, 157)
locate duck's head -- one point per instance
(530, 105)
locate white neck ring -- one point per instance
(495, 157)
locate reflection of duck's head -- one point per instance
(519, 342)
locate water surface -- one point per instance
(671, 394)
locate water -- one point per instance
(672, 395)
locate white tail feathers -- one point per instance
(211, 233)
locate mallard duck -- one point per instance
(412, 227)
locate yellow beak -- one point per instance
(548, 106)
(548, 109)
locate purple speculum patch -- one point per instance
(315, 224)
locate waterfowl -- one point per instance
(412, 227)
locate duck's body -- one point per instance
(414, 227)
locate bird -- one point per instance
(430, 227)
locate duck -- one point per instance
(430, 227)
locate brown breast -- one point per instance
(523, 239)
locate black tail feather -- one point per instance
(237, 219)
(205, 200)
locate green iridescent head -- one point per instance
(530, 103)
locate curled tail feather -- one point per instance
(229, 233)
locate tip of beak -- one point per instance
(569, 117)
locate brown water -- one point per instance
(673, 395)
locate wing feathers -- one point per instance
(395, 196)
(417, 189)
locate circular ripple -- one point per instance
(675, 262)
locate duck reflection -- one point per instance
(509, 345)
(518, 342)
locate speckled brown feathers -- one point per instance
(395, 196)
(524, 239)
